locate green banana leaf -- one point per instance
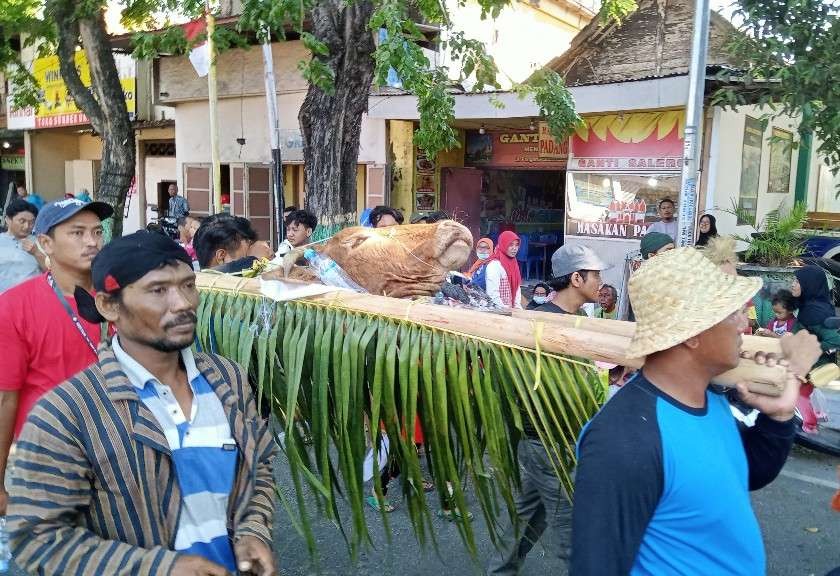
(349, 378)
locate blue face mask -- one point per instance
(482, 255)
(540, 299)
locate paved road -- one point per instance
(802, 534)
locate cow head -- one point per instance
(401, 261)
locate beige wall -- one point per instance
(728, 139)
(240, 72)
(90, 147)
(523, 38)
(49, 151)
(192, 136)
(401, 140)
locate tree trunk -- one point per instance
(103, 103)
(331, 124)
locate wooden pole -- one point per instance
(590, 338)
(213, 99)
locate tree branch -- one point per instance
(68, 35)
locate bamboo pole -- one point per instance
(213, 100)
(593, 339)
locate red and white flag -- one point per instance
(200, 54)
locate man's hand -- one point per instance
(4, 501)
(27, 245)
(188, 565)
(261, 249)
(252, 555)
(801, 351)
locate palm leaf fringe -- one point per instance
(353, 376)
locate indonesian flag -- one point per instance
(200, 54)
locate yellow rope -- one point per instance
(538, 332)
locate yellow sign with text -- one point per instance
(57, 107)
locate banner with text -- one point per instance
(516, 149)
(632, 142)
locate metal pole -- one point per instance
(213, 98)
(274, 134)
(693, 126)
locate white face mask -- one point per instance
(540, 299)
(482, 255)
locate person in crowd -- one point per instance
(19, 258)
(382, 216)
(707, 226)
(784, 321)
(654, 243)
(542, 503)
(647, 460)
(178, 205)
(228, 244)
(165, 464)
(187, 227)
(503, 277)
(300, 225)
(483, 252)
(667, 222)
(539, 297)
(44, 340)
(430, 218)
(84, 195)
(607, 301)
(33, 199)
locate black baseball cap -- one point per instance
(124, 261)
(55, 213)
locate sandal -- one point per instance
(453, 515)
(385, 505)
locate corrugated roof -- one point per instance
(653, 42)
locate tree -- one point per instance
(789, 50)
(345, 58)
(63, 26)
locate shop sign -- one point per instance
(18, 118)
(57, 107)
(621, 206)
(633, 142)
(516, 149)
(15, 162)
(291, 142)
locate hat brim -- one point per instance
(680, 325)
(101, 209)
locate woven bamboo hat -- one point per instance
(679, 294)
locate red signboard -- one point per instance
(637, 142)
(516, 149)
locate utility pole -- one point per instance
(274, 134)
(693, 126)
(213, 98)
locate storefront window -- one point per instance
(616, 205)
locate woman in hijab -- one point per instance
(483, 251)
(504, 279)
(541, 292)
(708, 229)
(813, 298)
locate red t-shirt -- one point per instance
(40, 344)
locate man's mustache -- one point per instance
(182, 320)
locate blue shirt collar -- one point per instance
(139, 376)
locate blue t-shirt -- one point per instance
(16, 264)
(663, 488)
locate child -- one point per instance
(784, 320)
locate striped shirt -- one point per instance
(94, 488)
(203, 451)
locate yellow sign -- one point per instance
(57, 107)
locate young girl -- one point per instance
(503, 276)
(784, 320)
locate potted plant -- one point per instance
(773, 252)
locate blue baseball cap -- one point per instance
(55, 213)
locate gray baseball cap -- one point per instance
(568, 259)
(55, 213)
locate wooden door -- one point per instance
(461, 197)
(197, 188)
(259, 203)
